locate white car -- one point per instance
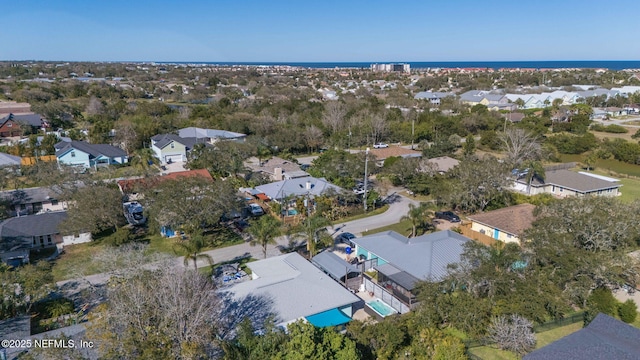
(380, 145)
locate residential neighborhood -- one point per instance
(386, 202)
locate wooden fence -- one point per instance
(465, 229)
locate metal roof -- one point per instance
(424, 257)
(293, 287)
(334, 265)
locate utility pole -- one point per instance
(366, 161)
(413, 130)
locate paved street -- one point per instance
(397, 210)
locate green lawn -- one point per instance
(630, 189)
(77, 259)
(543, 339)
(403, 227)
(491, 353)
(377, 211)
(549, 336)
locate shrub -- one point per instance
(628, 311)
(613, 128)
(601, 300)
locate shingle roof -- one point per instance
(268, 166)
(297, 187)
(95, 150)
(423, 257)
(444, 163)
(574, 181)
(604, 338)
(294, 286)
(27, 195)
(392, 151)
(128, 186)
(195, 132)
(32, 225)
(9, 160)
(34, 120)
(513, 219)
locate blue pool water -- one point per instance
(331, 317)
(293, 212)
(381, 308)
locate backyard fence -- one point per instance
(382, 294)
(465, 229)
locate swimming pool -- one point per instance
(381, 308)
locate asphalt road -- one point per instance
(397, 209)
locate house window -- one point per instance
(54, 202)
(49, 239)
(172, 145)
(37, 207)
(482, 231)
(509, 236)
(73, 154)
(10, 125)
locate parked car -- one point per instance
(256, 210)
(447, 215)
(346, 238)
(380, 145)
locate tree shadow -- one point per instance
(258, 309)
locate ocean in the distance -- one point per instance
(602, 64)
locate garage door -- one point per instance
(173, 158)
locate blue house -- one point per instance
(402, 262)
(80, 153)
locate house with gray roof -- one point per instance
(277, 168)
(402, 262)
(30, 201)
(604, 338)
(8, 160)
(297, 187)
(20, 235)
(211, 135)
(563, 182)
(434, 97)
(83, 154)
(334, 266)
(290, 288)
(475, 97)
(170, 148)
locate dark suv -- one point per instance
(447, 215)
(346, 238)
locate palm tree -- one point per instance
(264, 232)
(194, 248)
(534, 170)
(417, 216)
(310, 231)
(144, 160)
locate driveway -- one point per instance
(397, 209)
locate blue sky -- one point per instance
(319, 31)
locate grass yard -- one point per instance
(491, 353)
(403, 227)
(605, 135)
(544, 338)
(547, 337)
(77, 259)
(630, 189)
(377, 211)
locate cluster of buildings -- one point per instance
(405, 68)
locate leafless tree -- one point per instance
(379, 127)
(313, 136)
(126, 136)
(520, 145)
(94, 107)
(513, 333)
(168, 312)
(333, 117)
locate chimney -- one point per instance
(277, 174)
(308, 185)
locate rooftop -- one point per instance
(424, 257)
(581, 182)
(603, 339)
(513, 219)
(297, 187)
(393, 151)
(443, 163)
(294, 286)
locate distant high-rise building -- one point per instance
(391, 67)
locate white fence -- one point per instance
(385, 296)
